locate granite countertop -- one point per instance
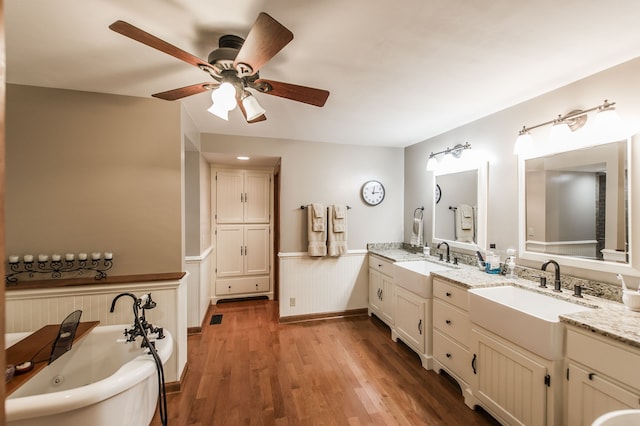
(607, 318)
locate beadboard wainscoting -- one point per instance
(29, 310)
(322, 285)
(198, 288)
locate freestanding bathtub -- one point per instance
(99, 382)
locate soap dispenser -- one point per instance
(492, 261)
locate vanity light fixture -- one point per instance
(563, 125)
(455, 152)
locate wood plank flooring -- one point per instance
(251, 370)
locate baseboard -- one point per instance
(173, 387)
(320, 316)
(194, 330)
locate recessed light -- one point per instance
(242, 158)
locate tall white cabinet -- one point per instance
(243, 233)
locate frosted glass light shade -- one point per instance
(609, 127)
(560, 133)
(224, 100)
(523, 145)
(252, 107)
(432, 164)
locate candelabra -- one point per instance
(58, 267)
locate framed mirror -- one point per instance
(460, 208)
(575, 207)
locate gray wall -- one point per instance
(328, 174)
(94, 172)
(495, 135)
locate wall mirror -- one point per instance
(460, 208)
(575, 207)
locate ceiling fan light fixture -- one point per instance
(252, 107)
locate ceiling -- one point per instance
(399, 72)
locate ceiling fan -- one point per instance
(235, 67)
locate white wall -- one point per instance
(496, 134)
(328, 174)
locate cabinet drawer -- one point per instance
(451, 294)
(242, 285)
(381, 265)
(454, 357)
(451, 321)
(606, 356)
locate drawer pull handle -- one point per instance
(448, 294)
(448, 355)
(420, 326)
(473, 363)
(379, 265)
(591, 376)
(448, 321)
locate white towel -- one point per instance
(318, 220)
(465, 223)
(337, 240)
(416, 232)
(339, 218)
(317, 239)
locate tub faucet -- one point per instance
(557, 285)
(448, 254)
(140, 325)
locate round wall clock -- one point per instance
(373, 192)
(438, 193)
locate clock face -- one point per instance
(373, 192)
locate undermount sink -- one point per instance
(415, 276)
(524, 317)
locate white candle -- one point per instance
(56, 257)
(108, 255)
(69, 256)
(28, 258)
(82, 256)
(95, 256)
(43, 258)
(14, 259)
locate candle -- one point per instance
(82, 256)
(28, 258)
(69, 257)
(95, 256)
(43, 258)
(14, 259)
(56, 257)
(108, 255)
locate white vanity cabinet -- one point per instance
(452, 334)
(381, 289)
(413, 323)
(602, 374)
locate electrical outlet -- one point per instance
(292, 301)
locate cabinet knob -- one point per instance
(448, 355)
(448, 321)
(448, 294)
(591, 376)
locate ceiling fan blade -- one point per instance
(265, 39)
(183, 92)
(135, 33)
(307, 95)
(244, 113)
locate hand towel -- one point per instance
(317, 239)
(318, 219)
(337, 241)
(464, 216)
(339, 217)
(416, 232)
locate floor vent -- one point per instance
(216, 319)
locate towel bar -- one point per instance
(302, 207)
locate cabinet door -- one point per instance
(375, 291)
(592, 394)
(229, 196)
(256, 249)
(510, 382)
(256, 196)
(387, 299)
(230, 250)
(410, 319)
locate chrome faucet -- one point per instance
(448, 254)
(557, 286)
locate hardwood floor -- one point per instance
(251, 370)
